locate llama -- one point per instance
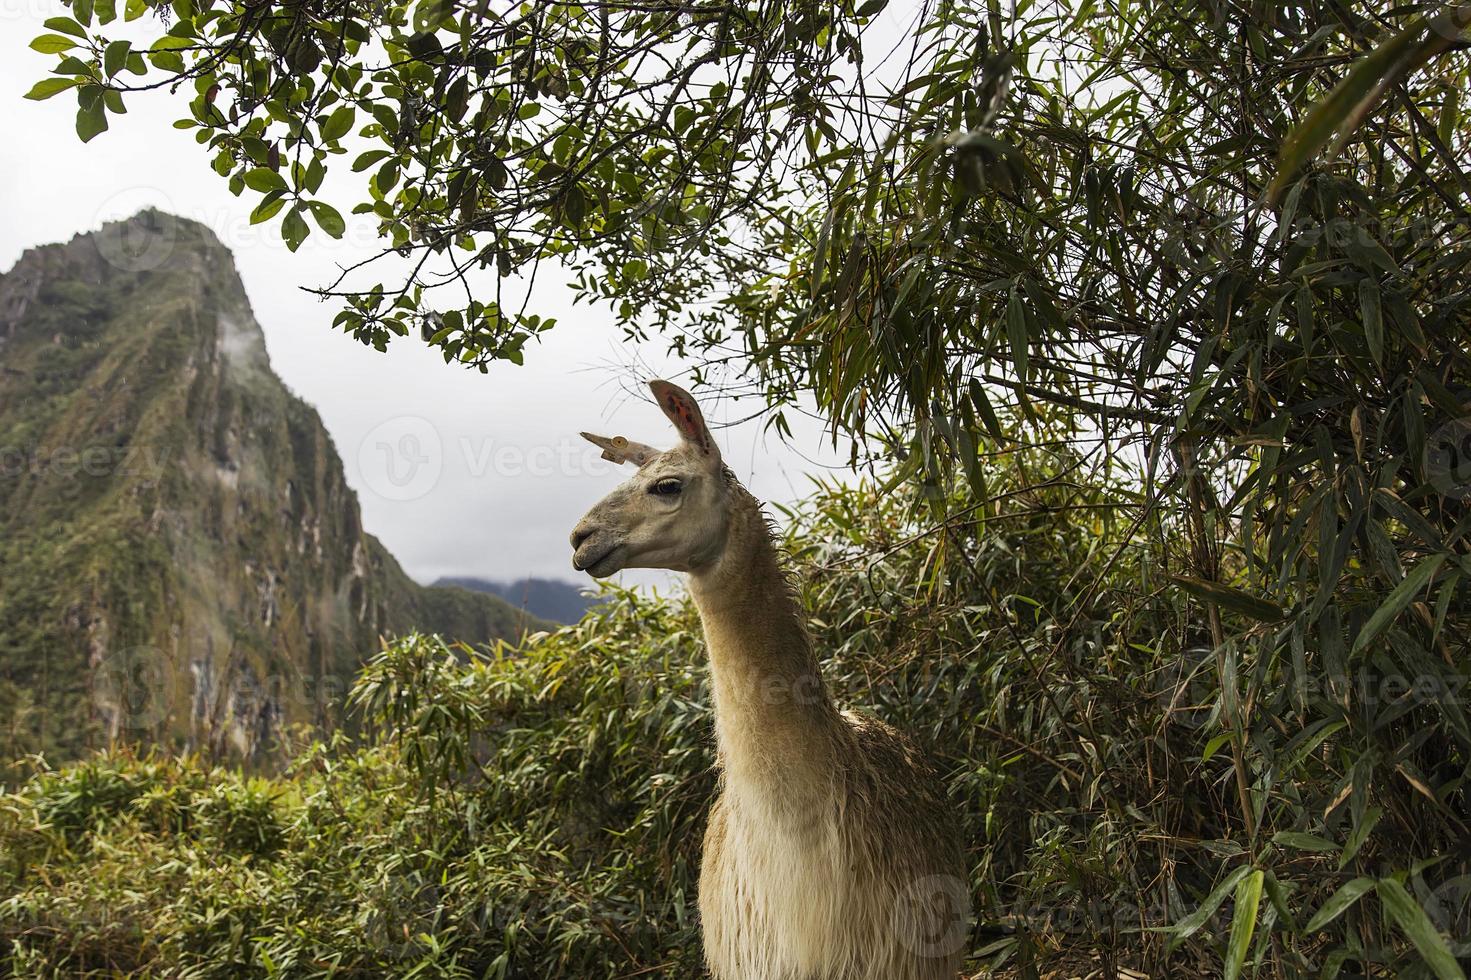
(831, 852)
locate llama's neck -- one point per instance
(776, 728)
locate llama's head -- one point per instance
(672, 513)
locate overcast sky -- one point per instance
(506, 476)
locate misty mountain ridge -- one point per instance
(553, 599)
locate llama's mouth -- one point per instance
(597, 566)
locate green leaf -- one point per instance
(1303, 842)
(264, 179)
(574, 205)
(52, 44)
(269, 206)
(65, 25)
(167, 61)
(1339, 902)
(1243, 923)
(1417, 927)
(72, 65)
(48, 87)
(115, 58)
(294, 229)
(91, 119)
(171, 42)
(366, 160)
(1229, 597)
(1016, 335)
(1189, 925)
(386, 177)
(1372, 315)
(527, 110)
(339, 124)
(1398, 600)
(1350, 101)
(328, 218)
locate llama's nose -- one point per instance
(580, 533)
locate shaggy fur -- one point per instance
(831, 853)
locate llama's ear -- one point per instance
(681, 409)
(617, 449)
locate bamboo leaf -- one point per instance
(1243, 923)
(1229, 597)
(1395, 604)
(1340, 902)
(1360, 90)
(1189, 925)
(1304, 842)
(1372, 315)
(1016, 336)
(1417, 927)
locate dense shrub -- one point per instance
(537, 812)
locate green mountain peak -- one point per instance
(181, 559)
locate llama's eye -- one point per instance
(666, 488)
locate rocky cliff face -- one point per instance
(181, 559)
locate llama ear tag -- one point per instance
(617, 449)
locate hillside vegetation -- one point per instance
(182, 562)
(538, 812)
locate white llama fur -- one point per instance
(832, 852)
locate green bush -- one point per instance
(537, 811)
